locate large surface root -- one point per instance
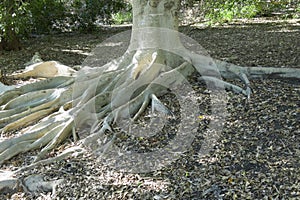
(108, 90)
(97, 98)
(229, 71)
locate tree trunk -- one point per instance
(151, 21)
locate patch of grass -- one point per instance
(230, 10)
(297, 13)
(122, 17)
(249, 11)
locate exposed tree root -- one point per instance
(44, 69)
(102, 96)
(10, 181)
(108, 98)
(229, 71)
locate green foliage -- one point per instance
(85, 14)
(122, 17)
(13, 19)
(68, 15)
(45, 13)
(226, 10)
(297, 13)
(19, 18)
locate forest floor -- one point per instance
(257, 155)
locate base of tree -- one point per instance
(49, 111)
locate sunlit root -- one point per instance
(44, 70)
(51, 131)
(51, 83)
(25, 109)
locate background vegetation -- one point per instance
(220, 11)
(22, 18)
